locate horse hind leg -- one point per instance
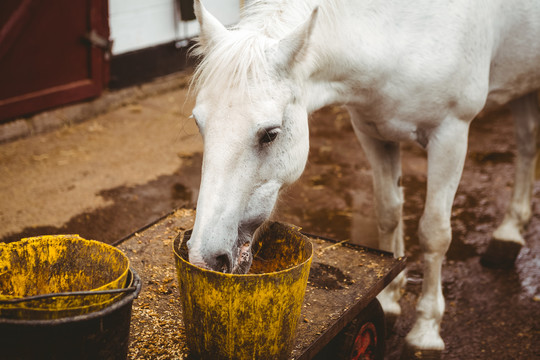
(385, 160)
(507, 239)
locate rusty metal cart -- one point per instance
(341, 317)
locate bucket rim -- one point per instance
(131, 294)
(60, 238)
(180, 237)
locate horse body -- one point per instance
(405, 72)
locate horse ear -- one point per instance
(210, 27)
(293, 46)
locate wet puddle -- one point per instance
(131, 207)
(328, 277)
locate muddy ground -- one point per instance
(113, 174)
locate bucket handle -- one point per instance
(75, 293)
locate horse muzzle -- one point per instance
(237, 260)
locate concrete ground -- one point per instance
(106, 168)
(83, 177)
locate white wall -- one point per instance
(138, 24)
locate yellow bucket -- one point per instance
(54, 276)
(252, 316)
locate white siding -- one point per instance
(137, 24)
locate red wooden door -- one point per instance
(45, 59)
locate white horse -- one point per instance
(415, 71)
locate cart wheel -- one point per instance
(362, 339)
(365, 344)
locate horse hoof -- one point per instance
(412, 353)
(500, 254)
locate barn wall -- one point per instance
(139, 24)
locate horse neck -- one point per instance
(354, 46)
(324, 72)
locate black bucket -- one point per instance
(99, 335)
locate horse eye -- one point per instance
(268, 136)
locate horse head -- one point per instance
(254, 126)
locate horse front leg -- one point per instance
(447, 149)
(507, 240)
(385, 160)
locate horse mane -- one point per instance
(234, 62)
(238, 60)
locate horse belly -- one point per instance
(515, 65)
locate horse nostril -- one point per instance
(223, 264)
